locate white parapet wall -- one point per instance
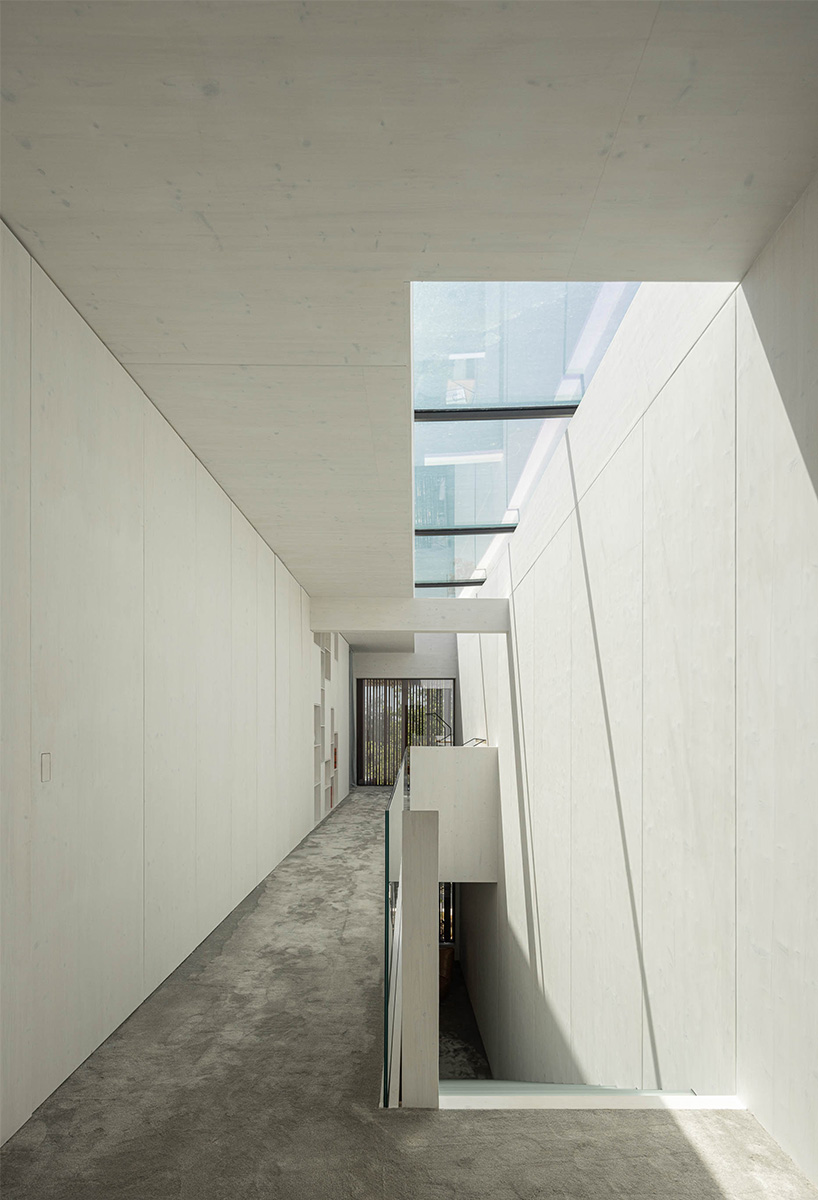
(462, 784)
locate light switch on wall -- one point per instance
(45, 768)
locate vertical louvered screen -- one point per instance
(394, 714)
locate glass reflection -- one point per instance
(468, 472)
(450, 557)
(487, 344)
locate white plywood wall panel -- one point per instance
(244, 674)
(548, 507)
(764, 443)
(550, 769)
(170, 699)
(266, 797)
(689, 682)
(342, 716)
(606, 772)
(662, 324)
(519, 787)
(764, 446)
(323, 709)
(777, 685)
(15, 685)
(87, 686)
(661, 327)
(213, 703)
(293, 687)
(691, 616)
(462, 784)
(521, 612)
(722, 485)
(284, 725)
(303, 694)
(470, 686)
(517, 950)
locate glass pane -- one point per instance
(469, 472)
(487, 344)
(456, 558)
(495, 345)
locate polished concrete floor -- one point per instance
(253, 1072)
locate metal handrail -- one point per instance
(444, 722)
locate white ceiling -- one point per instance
(235, 196)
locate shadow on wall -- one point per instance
(559, 1062)
(511, 983)
(776, 672)
(787, 336)
(626, 858)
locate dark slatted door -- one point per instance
(381, 735)
(430, 712)
(394, 714)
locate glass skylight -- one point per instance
(490, 346)
(449, 558)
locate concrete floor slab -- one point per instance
(253, 1072)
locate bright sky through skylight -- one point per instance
(495, 345)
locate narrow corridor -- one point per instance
(254, 1070)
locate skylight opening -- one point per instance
(498, 371)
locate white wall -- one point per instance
(777, 684)
(161, 654)
(461, 784)
(434, 657)
(87, 695)
(657, 918)
(603, 816)
(16, 761)
(170, 698)
(213, 702)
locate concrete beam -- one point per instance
(355, 616)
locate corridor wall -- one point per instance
(655, 709)
(157, 695)
(777, 685)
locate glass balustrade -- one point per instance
(393, 828)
